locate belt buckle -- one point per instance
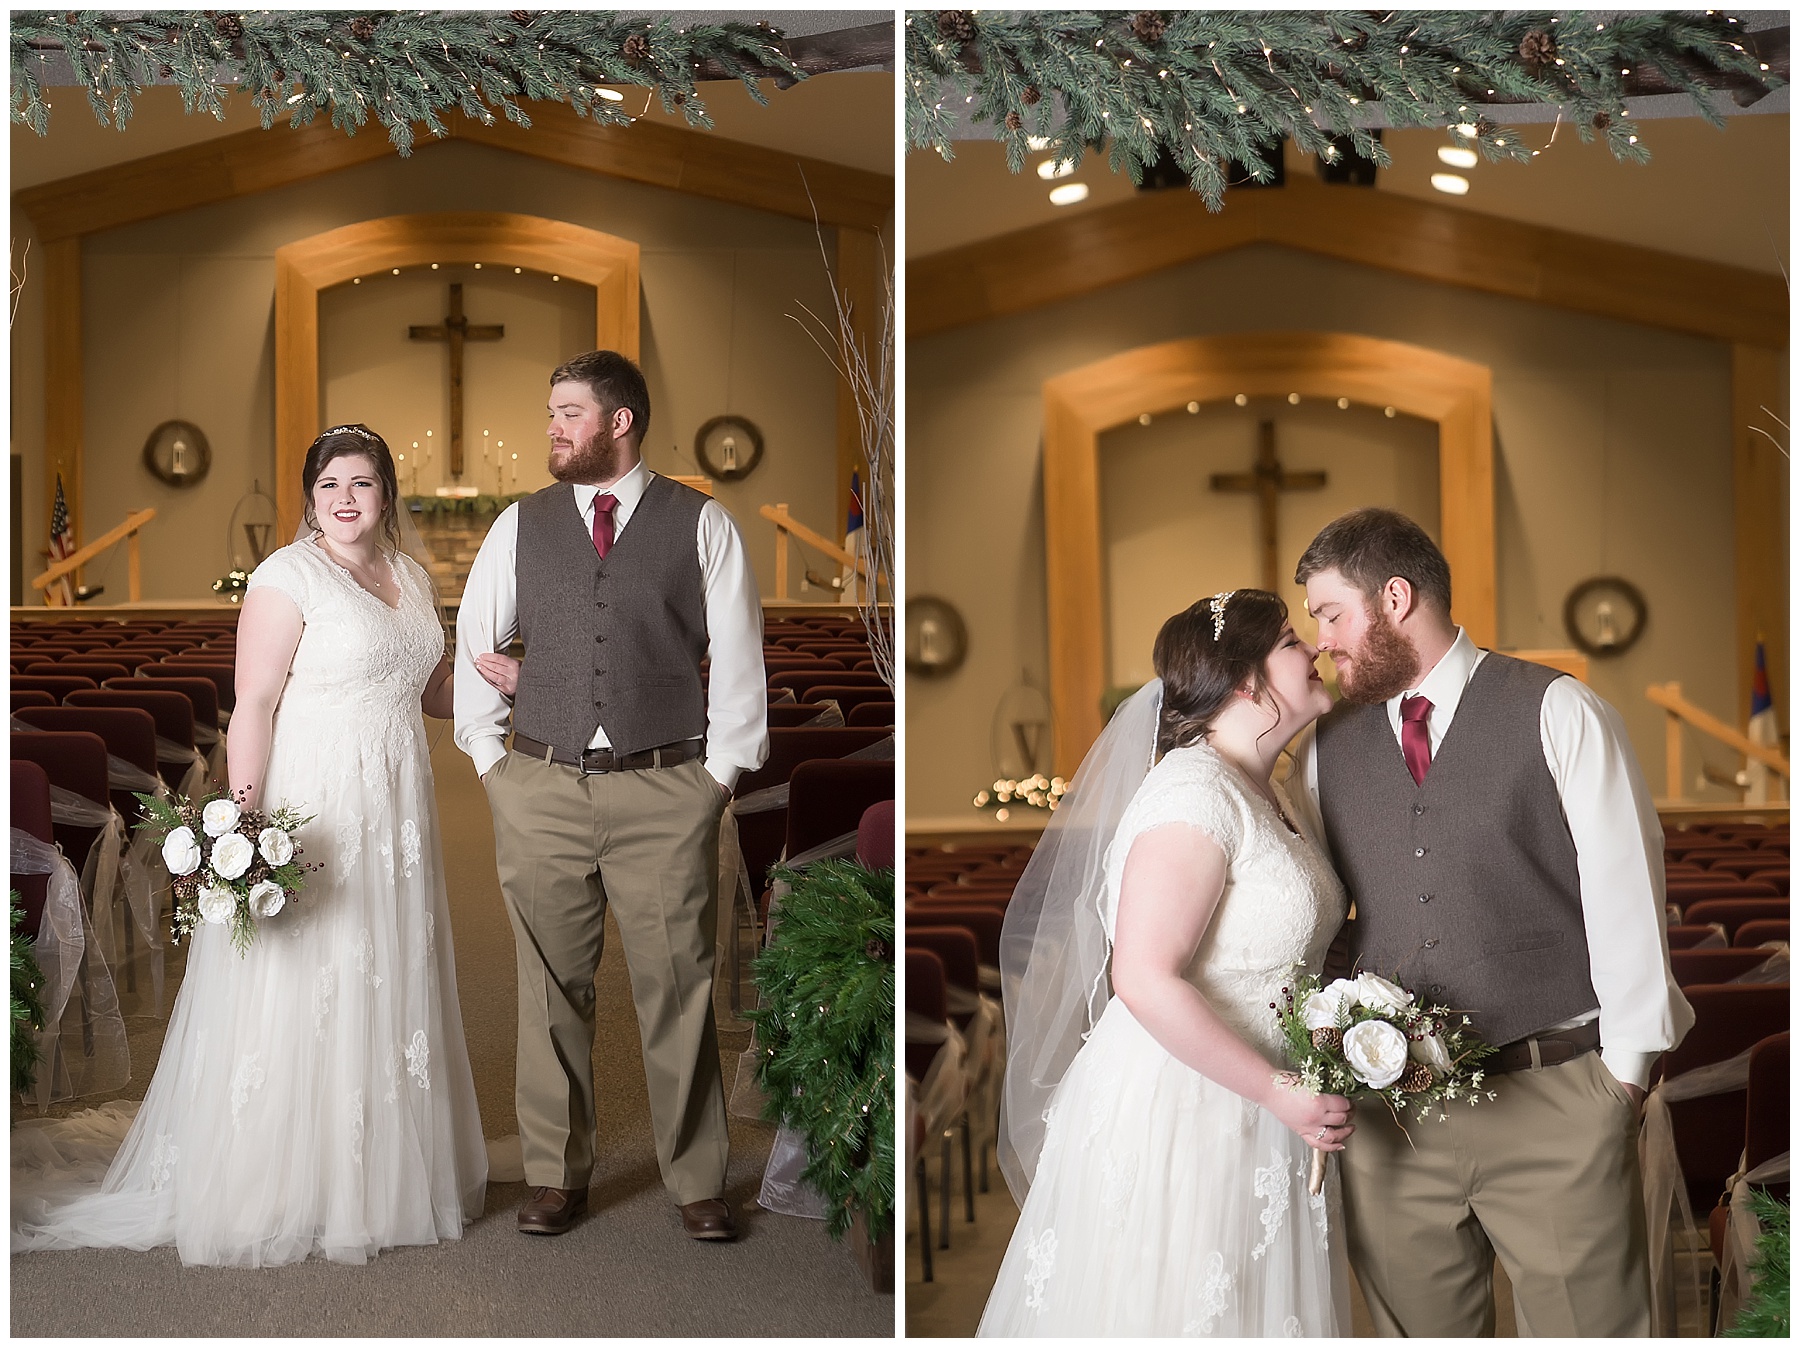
(581, 763)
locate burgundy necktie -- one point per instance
(1415, 739)
(604, 505)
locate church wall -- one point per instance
(1612, 450)
(194, 292)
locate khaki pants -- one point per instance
(1545, 1176)
(646, 842)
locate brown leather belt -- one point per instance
(606, 760)
(1552, 1049)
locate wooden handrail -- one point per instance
(81, 557)
(1668, 697)
(785, 524)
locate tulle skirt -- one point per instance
(1164, 1205)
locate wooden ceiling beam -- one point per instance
(648, 152)
(1084, 253)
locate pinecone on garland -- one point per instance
(636, 47)
(956, 24)
(1416, 1078)
(1483, 127)
(1032, 96)
(877, 949)
(522, 17)
(1328, 1039)
(1601, 121)
(1014, 121)
(362, 28)
(1149, 26)
(1537, 49)
(229, 27)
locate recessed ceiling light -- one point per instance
(1055, 168)
(1068, 194)
(611, 95)
(1456, 157)
(1454, 184)
(1143, 418)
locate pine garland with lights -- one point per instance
(404, 68)
(826, 1028)
(1209, 88)
(27, 1001)
(1765, 1313)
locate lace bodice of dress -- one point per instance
(358, 661)
(1282, 902)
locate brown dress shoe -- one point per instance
(550, 1212)
(709, 1219)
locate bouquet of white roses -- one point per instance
(230, 865)
(1368, 1036)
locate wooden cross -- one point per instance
(456, 329)
(1268, 479)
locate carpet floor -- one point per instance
(625, 1270)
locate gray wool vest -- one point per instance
(614, 643)
(1466, 885)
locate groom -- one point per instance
(620, 582)
(1492, 825)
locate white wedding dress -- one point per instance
(1163, 1203)
(313, 1096)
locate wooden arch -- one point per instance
(307, 266)
(1082, 403)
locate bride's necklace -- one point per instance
(1266, 793)
(358, 572)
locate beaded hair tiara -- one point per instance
(1217, 605)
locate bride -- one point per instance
(315, 1094)
(1162, 1164)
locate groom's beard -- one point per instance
(1384, 667)
(596, 459)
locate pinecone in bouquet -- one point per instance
(229, 865)
(1367, 1035)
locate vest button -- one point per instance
(1417, 809)
(1418, 851)
(1424, 898)
(1432, 943)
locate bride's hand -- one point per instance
(500, 670)
(1323, 1122)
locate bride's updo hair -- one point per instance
(355, 438)
(1201, 671)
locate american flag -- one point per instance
(62, 544)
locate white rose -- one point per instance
(217, 904)
(232, 855)
(267, 898)
(1376, 993)
(1430, 1050)
(219, 816)
(276, 847)
(1324, 1008)
(180, 853)
(1376, 1052)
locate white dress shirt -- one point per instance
(737, 697)
(1618, 845)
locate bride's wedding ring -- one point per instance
(1320, 1137)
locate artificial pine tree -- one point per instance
(27, 1001)
(1214, 87)
(826, 1030)
(401, 67)
(1764, 1314)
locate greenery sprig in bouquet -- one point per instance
(1368, 1036)
(231, 866)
